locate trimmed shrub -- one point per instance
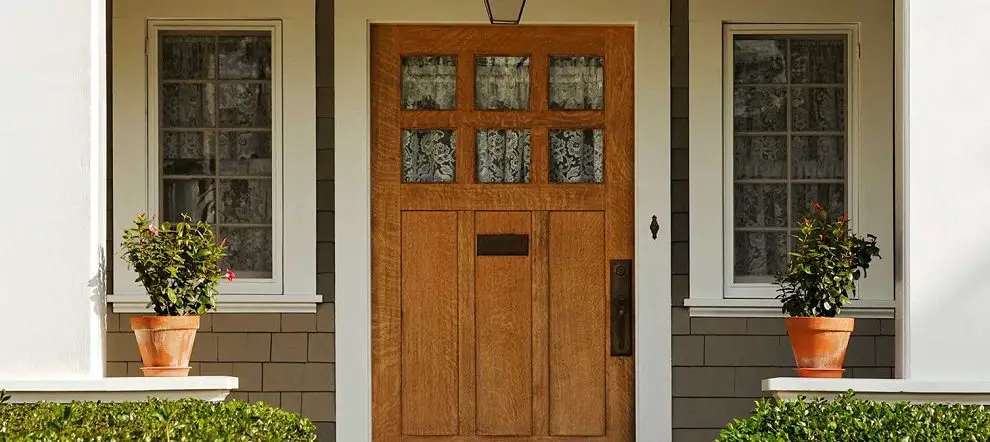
(153, 420)
(846, 419)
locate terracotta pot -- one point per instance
(165, 343)
(819, 345)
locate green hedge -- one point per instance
(154, 420)
(846, 419)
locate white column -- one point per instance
(944, 301)
(52, 188)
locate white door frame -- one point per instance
(352, 203)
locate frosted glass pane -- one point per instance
(501, 83)
(577, 83)
(577, 155)
(428, 155)
(429, 82)
(503, 155)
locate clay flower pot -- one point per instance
(165, 343)
(819, 345)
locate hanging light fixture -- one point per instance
(505, 12)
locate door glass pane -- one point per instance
(503, 155)
(577, 83)
(577, 155)
(429, 82)
(215, 138)
(428, 155)
(789, 142)
(501, 83)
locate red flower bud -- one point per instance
(818, 206)
(229, 275)
(845, 217)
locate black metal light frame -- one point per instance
(491, 18)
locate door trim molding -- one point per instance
(352, 202)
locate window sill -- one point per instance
(207, 388)
(770, 308)
(230, 303)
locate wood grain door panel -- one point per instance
(482, 345)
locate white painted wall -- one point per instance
(353, 187)
(52, 135)
(944, 298)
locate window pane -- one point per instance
(246, 153)
(577, 155)
(760, 109)
(831, 196)
(245, 201)
(188, 153)
(249, 251)
(818, 60)
(577, 83)
(428, 155)
(189, 105)
(761, 205)
(501, 83)
(193, 197)
(187, 57)
(503, 155)
(216, 139)
(818, 109)
(818, 157)
(760, 157)
(759, 255)
(429, 82)
(789, 142)
(759, 60)
(245, 56)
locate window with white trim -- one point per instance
(215, 137)
(225, 111)
(797, 113)
(788, 145)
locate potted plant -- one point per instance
(822, 271)
(179, 266)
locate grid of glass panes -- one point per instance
(502, 83)
(215, 138)
(789, 142)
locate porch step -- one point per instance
(891, 390)
(126, 389)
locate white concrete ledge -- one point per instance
(229, 303)
(209, 388)
(891, 390)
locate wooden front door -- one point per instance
(502, 203)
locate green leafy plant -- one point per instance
(827, 261)
(153, 420)
(847, 419)
(177, 263)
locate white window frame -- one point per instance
(869, 179)
(136, 155)
(743, 290)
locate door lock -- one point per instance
(620, 282)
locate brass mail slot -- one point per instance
(503, 245)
